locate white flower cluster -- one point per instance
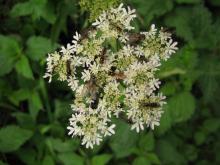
(112, 73)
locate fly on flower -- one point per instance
(111, 70)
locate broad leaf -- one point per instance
(35, 8)
(23, 67)
(141, 161)
(12, 137)
(19, 95)
(70, 158)
(38, 47)
(190, 29)
(124, 140)
(48, 160)
(28, 156)
(62, 146)
(209, 80)
(146, 142)
(165, 121)
(101, 159)
(181, 106)
(9, 52)
(35, 104)
(151, 9)
(168, 154)
(188, 1)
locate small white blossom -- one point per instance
(73, 83)
(171, 47)
(86, 75)
(67, 51)
(94, 68)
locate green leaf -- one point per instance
(215, 2)
(190, 152)
(69, 158)
(23, 67)
(24, 120)
(12, 137)
(165, 121)
(190, 29)
(35, 104)
(181, 106)
(2, 163)
(124, 141)
(101, 159)
(19, 95)
(28, 156)
(186, 59)
(153, 158)
(22, 9)
(211, 125)
(48, 160)
(38, 47)
(48, 14)
(35, 8)
(141, 161)
(62, 146)
(209, 80)
(168, 154)
(182, 63)
(151, 9)
(188, 1)
(61, 109)
(146, 142)
(9, 51)
(38, 8)
(168, 89)
(199, 137)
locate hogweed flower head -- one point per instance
(112, 73)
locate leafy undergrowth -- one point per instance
(34, 114)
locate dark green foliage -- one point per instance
(34, 114)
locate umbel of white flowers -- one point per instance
(111, 72)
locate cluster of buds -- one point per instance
(111, 71)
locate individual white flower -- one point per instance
(67, 51)
(73, 83)
(76, 46)
(128, 50)
(138, 125)
(86, 75)
(77, 36)
(52, 61)
(76, 61)
(154, 83)
(94, 68)
(46, 75)
(80, 90)
(164, 36)
(171, 47)
(110, 130)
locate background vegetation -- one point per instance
(34, 114)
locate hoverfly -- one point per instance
(68, 68)
(103, 56)
(151, 105)
(119, 76)
(134, 38)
